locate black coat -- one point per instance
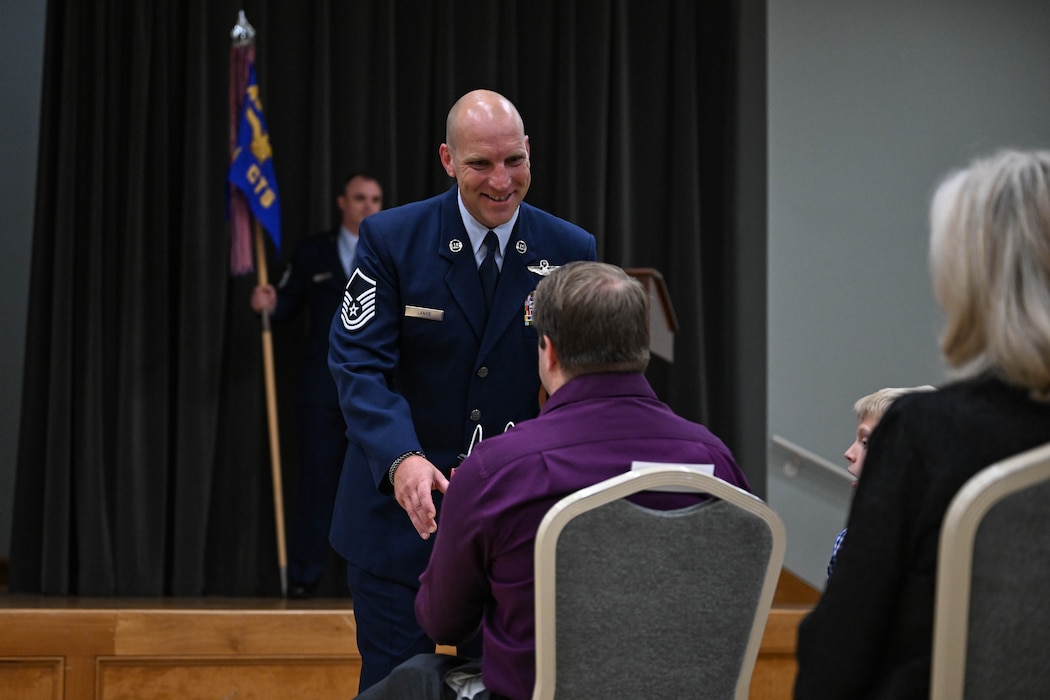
(871, 634)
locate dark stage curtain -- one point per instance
(143, 466)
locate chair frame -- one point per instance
(958, 535)
(677, 477)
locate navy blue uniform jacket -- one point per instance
(314, 278)
(417, 367)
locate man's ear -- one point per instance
(445, 153)
(548, 355)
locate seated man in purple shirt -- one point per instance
(592, 320)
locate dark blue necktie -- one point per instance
(488, 271)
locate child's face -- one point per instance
(856, 452)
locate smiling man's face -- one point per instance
(489, 157)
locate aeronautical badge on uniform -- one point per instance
(359, 302)
(543, 269)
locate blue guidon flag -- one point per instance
(251, 169)
(359, 302)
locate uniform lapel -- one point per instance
(516, 281)
(462, 276)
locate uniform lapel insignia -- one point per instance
(521, 247)
(455, 245)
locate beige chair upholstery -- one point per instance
(992, 614)
(636, 603)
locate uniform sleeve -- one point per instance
(844, 642)
(592, 253)
(363, 355)
(454, 587)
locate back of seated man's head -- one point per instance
(596, 317)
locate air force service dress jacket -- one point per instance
(314, 278)
(418, 366)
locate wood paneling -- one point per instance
(31, 679)
(114, 649)
(77, 649)
(774, 675)
(226, 677)
(791, 590)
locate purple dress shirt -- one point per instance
(481, 570)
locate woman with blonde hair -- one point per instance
(870, 635)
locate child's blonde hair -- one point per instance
(875, 405)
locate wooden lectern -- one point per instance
(662, 321)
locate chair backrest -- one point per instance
(992, 613)
(633, 602)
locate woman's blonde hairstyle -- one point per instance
(990, 264)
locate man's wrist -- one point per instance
(397, 463)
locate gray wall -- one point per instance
(21, 65)
(869, 103)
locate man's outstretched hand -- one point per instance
(415, 480)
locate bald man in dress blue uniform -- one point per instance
(424, 366)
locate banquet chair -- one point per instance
(633, 602)
(992, 613)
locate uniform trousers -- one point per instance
(387, 631)
(322, 431)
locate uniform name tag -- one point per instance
(424, 312)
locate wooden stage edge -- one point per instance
(132, 648)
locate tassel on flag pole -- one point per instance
(242, 58)
(253, 205)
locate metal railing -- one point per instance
(800, 455)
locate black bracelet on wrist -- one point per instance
(397, 463)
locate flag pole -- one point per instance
(271, 413)
(242, 55)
